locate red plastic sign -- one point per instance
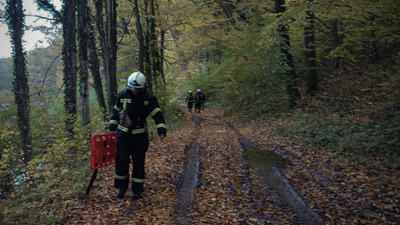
(103, 150)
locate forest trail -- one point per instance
(205, 173)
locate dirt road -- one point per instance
(208, 172)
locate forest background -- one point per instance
(321, 72)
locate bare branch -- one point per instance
(42, 17)
(49, 7)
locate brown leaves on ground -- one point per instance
(342, 192)
(229, 192)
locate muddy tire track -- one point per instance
(228, 190)
(226, 181)
(282, 191)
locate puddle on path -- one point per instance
(263, 160)
(269, 165)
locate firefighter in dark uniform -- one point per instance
(190, 98)
(200, 99)
(128, 121)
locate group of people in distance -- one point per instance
(198, 99)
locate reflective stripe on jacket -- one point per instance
(138, 108)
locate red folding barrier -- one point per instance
(103, 150)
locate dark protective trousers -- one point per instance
(190, 106)
(197, 107)
(127, 151)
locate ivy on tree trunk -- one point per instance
(108, 36)
(94, 67)
(311, 58)
(291, 77)
(70, 62)
(16, 19)
(83, 60)
(139, 36)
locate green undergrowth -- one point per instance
(374, 143)
(356, 115)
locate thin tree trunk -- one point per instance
(70, 62)
(219, 52)
(311, 61)
(94, 67)
(154, 42)
(83, 60)
(162, 54)
(109, 56)
(140, 37)
(372, 47)
(336, 42)
(292, 80)
(147, 48)
(103, 40)
(113, 52)
(16, 16)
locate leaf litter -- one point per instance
(229, 191)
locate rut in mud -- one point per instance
(189, 180)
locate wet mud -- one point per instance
(189, 181)
(269, 164)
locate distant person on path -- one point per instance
(190, 98)
(200, 99)
(128, 121)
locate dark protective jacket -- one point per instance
(200, 97)
(138, 108)
(190, 98)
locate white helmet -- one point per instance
(198, 90)
(137, 80)
(190, 92)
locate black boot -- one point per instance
(136, 196)
(137, 190)
(121, 192)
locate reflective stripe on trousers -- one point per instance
(127, 150)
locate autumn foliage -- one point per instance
(340, 142)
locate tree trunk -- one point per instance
(140, 37)
(292, 80)
(154, 42)
(15, 16)
(94, 67)
(70, 62)
(83, 60)
(147, 48)
(113, 52)
(162, 43)
(335, 42)
(219, 52)
(103, 40)
(311, 60)
(108, 43)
